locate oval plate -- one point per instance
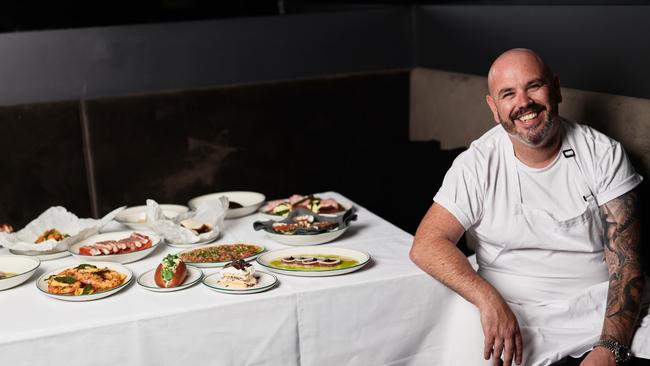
(41, 283)
(250, 202)
(219, 264)
(117, 258)
(146, 280)
(361, 257)
(265, 282)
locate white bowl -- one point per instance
(23, 267)
(306, 239)
(250, 202)
(116, 258)
(135, 217)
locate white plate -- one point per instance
(117, 258)
(146, 280)
(361, 257)
(41, 283)
(306, 239)
(192, 245)
(219, 264)
(265, 282)
(44, 255)
(23, 267)
(134, 217)
(250, 202)
(346, 206)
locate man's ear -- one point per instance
(558, 91)
(493, 108)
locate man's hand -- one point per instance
(501, 331)
(599, 357)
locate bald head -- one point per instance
(513, 59)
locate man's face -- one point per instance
(524, 99)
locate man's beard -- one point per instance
(528, 136)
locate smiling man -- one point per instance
(552, 207)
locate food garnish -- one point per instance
(51, 234)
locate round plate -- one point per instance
(265, 282)
(41, 283)
(306, 239)
(46, 255)
(146, 280)
(250, 202)
(117, 258)
(362, 259)
(191, 245)
(134, 217)
(346, 206)
(22, 268)
(219, 264)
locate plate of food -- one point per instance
(313, 261)
(240, 277)
(16, 269)
(279, 209)
(135, 217)
(171, 275)
(118, 246)
(302, 227)
(85, 281)
(240, 203)
(218, 255)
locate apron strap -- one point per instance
(569, 153)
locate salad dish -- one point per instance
(16, 269)
(240, 203)
(218, 255)
(119, 246)
(313, 261)
(135, 217)
(85, 281)
(302, 227)
(279, 209)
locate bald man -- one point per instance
(552, 207)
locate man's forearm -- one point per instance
(626, 279)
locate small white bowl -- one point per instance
(115, 258)
(250, 202)
(23, 267)
(135, 217)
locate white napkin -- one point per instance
(209, 212)
(55, 218)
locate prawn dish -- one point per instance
(133, 243)
(84, 279)
(313, 203)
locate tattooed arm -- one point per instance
(626, 279)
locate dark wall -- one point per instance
(112, 61)
(597, 48)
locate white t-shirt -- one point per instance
(475, 181)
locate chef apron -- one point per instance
(552, 273)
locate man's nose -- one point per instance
(523, 100)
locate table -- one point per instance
(384, 313)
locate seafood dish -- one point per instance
(313, 203)
(220, 253)
(4, 275)
(170, 272)
(314, 262)
(237, 274)
(303, 223)
(51, 234)
(133, 243)
(84, 279)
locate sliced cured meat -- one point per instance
(133, 243)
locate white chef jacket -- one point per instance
(550, 268)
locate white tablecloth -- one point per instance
(385, 313)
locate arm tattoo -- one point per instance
(626, 280)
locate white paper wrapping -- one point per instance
(55, 218)
(210, 212)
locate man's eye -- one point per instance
(534, 86)
(507, 95)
